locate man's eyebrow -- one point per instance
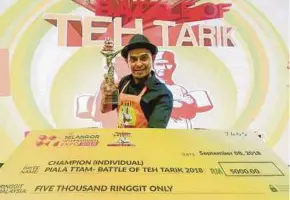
(138, 55)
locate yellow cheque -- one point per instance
(133, 164)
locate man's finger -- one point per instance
(106, 78)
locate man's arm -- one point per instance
(161, 113)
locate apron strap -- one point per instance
(142, 92)
(125, 86)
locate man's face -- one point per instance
(140, 62)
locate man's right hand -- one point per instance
(107, 88)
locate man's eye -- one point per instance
(144, 58)
(133, 59)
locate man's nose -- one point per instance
(139, 63)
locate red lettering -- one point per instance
(156, 11)
(74, 33)
(123, 11)
(184, 9)
(222, 8)
(211, 11)
(137, 9)
(104, 8)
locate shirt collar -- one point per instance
(150, 82)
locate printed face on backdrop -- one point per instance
(164, 65)
(140, 62)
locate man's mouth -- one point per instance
(139, 70)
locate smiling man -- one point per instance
(144, 101)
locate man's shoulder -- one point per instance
(158, 85)
(162, 87)
(158, 89)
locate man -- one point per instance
(144, 101)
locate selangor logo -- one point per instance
(82, 140)
(72, 139)
(121, 140)
(44, 140)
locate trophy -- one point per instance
(109, 52)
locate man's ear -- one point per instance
(153, 57)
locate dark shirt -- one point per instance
(156, 103)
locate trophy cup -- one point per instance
(109, 52)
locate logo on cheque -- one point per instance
(44, 140)
(121, 140)
(72, 139)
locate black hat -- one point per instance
(139, 41)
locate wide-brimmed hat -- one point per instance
(139, 41)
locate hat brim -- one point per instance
(151, 47)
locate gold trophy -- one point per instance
(109, 52)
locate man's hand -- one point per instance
(107, 87)
(107, 90)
